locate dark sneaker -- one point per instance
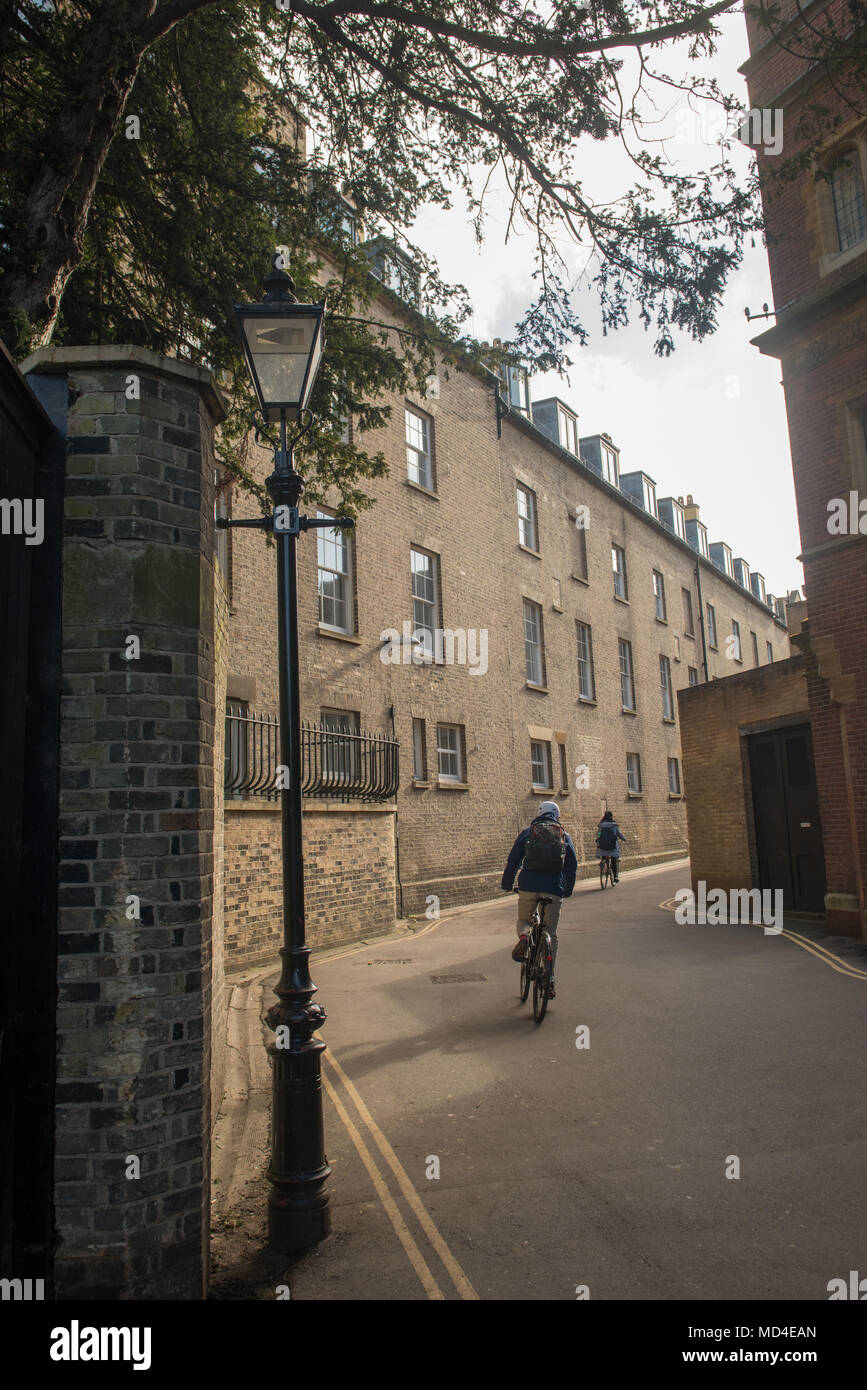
(520, 951)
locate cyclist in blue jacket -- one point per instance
(546, 857)
(608, 839)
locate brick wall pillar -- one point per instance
(136, 985)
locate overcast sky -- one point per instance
(709, 420)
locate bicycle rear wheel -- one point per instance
(603, 872)
(525, 978)
(542, 978)
(527, 962)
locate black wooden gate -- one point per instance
(32, 454)
(788, 829)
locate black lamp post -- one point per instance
(283, 344)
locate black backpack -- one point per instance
(545, 851)
(608, 836)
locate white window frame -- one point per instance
(534, 643)
(619, 552)
(736, 633)
(331, 542)
(692, 671)
(419, 455)
(567, 429)
(340, 759)
(636, 769)
(712, 639)
(627, 672)
(450, 747)
(517, 383)
(769, 651)
(528, 517)
(585, 661)
(610, 467)
(659, 595)
(544, 762)
(648, 493)
(423, 606)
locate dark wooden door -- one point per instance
(788, 829)
(32, 461)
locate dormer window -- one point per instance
(517, 383)
(648, 490)
(610, 470)
(394, 270)
(567, 427)
(850, 206)
(340, 221)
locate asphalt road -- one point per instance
(602, 1167)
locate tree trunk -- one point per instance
(58, 205)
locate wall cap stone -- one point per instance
(66, 359)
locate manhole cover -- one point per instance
(456, 979)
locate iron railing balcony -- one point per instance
(336, 765)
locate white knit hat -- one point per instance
(549, 806)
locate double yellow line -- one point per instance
(843, 967)
(429, 1283)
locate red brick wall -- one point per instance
(821, 340)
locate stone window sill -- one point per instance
(528, 550)
(669, 721)
(580, 579)
(542, 689)
(618, 599)
(541, 791)
(419, 487)
(339, 636)
(624, 710)
(417, 782)
(446, 786)
(662, 621)
(675, 796)
(835, 260)
(635, 796)
(586, 700)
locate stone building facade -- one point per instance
(818, 260)
(489, 730)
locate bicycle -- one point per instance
(606, 871)
(537, 967)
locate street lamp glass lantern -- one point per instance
(283, 345)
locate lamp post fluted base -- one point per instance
(298, 1211)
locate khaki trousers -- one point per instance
(527, 906)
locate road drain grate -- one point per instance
(456, 979)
